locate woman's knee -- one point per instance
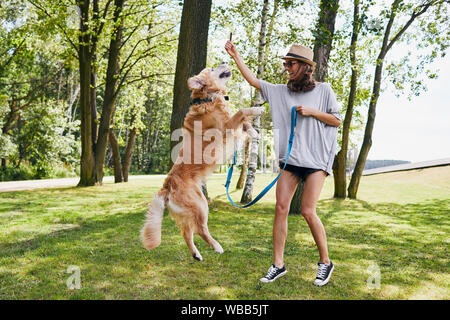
(308, 213)
(281, 208)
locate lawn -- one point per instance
(399, 226)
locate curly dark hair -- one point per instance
(304, 81)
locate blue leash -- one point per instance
(230, 171)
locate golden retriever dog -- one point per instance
(209, 132)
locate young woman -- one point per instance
(312, 153)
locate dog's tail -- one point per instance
(151, 232)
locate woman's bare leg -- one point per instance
(311, 192)
(286, 187)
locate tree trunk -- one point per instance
(12, 116)
(340, 165)
(324, 37)
(243, 174)
(367, 141)
(296, 203)
(110, 91)
(116, 157)
(322, 47)
(257, 101)
(93, 101)
(129, 153)
(191, 57)
(252, 163)
(93, 90)
(87, 163)
(387, 45)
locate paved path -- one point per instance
(67, 182)
(54, 183)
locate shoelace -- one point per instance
(322, 271)
(272, 271)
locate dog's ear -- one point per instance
(195, 83)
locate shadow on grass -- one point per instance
(408, 241)
(109, 253)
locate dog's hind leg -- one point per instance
(204, 233)
(188, 235)
(202, 226)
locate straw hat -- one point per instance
(302, 53)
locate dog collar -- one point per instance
(200, 101)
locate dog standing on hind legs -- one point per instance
(209, 131)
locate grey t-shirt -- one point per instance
(315, 142)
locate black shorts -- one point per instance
(300, 172)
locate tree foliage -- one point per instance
(34, 80)
(40, 79)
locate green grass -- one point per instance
(400, 224)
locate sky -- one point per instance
(416, 130)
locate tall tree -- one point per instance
(87, 162)
(281, 30)
(391, 37)
(128, 33)
(191, 57)
(257, 102)
(111, 89)
(93, 143)
(340, 165)
(323, 39)
(136, 109)
(261, 72)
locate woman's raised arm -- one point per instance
(245, 71)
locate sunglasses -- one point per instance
(289, 64)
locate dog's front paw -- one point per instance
(258, 110)
(252, 133)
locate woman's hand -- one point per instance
(245, 71)
(326, 118)
(305, 111)
(231, 49)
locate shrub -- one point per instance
(10, 173)
(38, 171)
